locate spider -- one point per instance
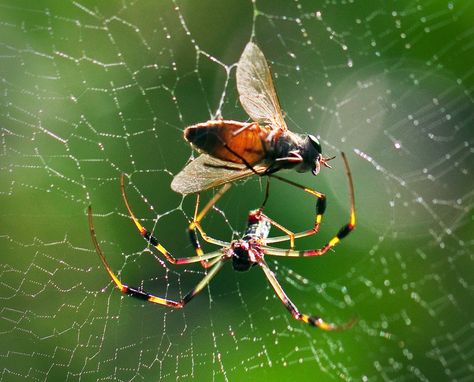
(245, 252)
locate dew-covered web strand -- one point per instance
(73, 79)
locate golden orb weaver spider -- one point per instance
(245, 252)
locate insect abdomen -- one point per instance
(205, 138)
(228, 140)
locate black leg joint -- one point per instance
(193, 238)
(312, 320)
(321, 206)
(187, 298)
(344, 231)
(148, 237)
(137, 293)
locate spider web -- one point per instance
(93, 91)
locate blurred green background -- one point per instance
(92, 90)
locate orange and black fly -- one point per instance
(232, 150)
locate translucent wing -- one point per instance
(256, 90)
(206, 172)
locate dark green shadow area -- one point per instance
(92, 90)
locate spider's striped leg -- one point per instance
(289, 234)
(310, 320)
(320, 208)
(216, 257)
(153, 241)
(320, 204)
(196, 225)
(342, 233)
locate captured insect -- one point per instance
(244, 253)
(233, 150)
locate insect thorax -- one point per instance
(292, 145)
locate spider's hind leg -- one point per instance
(215, 258)
(310, 320)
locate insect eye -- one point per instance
(315, 142)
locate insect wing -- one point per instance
(206, 172)
(256, 90)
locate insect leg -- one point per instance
(310, 320)
(289, 234)
(321, 207)
(143, 295)
(245, 127)
(152, 240)
(267, 194)
(196, 224)
(341, 234)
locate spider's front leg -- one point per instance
(320, 208)
(155, 243)
(195, 225)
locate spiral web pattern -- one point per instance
(93, 91)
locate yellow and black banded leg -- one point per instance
(289, 235)
(196, 225)
(310, 320)
(320, 208)
(216, 257)
(154, 242)
(342, 233)
(320, 204)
